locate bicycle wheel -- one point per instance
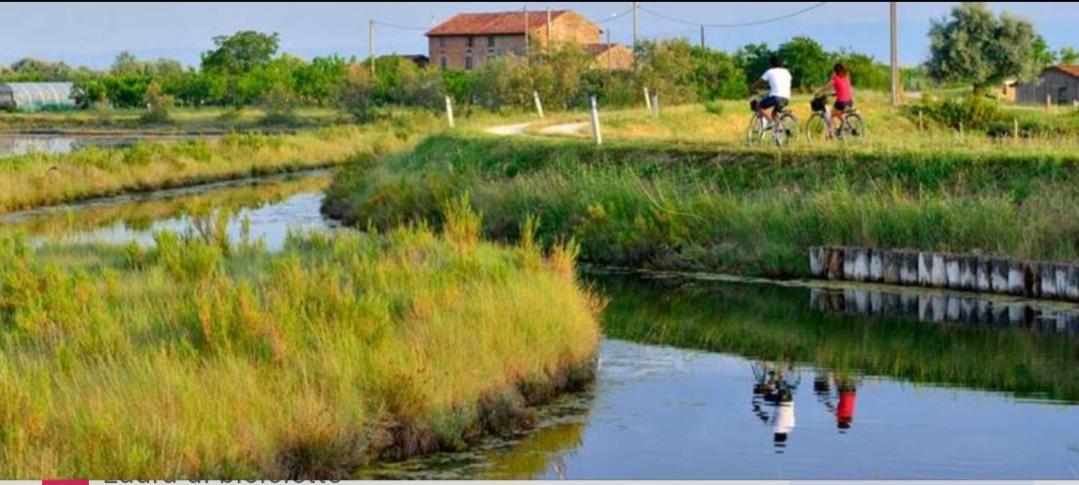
(787, 131)
(853, 128)
(755, 130)
(817, 128)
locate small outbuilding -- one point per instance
(1055, 85)
(36, 96)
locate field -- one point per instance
(657, 196)
(201, 358)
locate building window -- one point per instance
(442, 42)
(442, 62)
(490, 41)
(470, 39)
(468, 62)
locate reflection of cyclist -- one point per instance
(846, 388)
(776, 386)
(844, 93)
(778, 80)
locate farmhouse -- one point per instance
(1056, 84)
(36, 96)
(467, 40)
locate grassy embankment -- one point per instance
(33, 180)
(203, 359)
(685, 205)
(774, 323)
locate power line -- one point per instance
(615, 16)
(737, 24)
(398, 26)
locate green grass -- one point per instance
(754, 212)
(34, 180)
(201, 358)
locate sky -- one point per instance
(93, 33)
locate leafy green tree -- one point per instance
(976, 47)
(125, 64)
(753, 59)
(1042, 56)
(1067, 55)
(865, 72)
(716, 75)
(319, 81)
(241, 52)
(357, 95)
(809, 64)
(666, 67)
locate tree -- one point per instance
(158, 104)
(716, 75)
(753, 59)
(666, 68)
(241, 52)
(1067, 55)
(976, 47)
(357, 95)
(809, 64)
(1042, 56)
(126, 63)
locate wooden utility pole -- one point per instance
(371, 44)
(702, 37)
(895, 55)
(528, 42)
(548, 29)
(634, 35)
(608, 50)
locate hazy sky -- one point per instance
(92, 33)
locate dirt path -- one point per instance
(564, 129)
(507, 130)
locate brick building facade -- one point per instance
(467, 40)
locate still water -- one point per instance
(22, 144)
(732, 379)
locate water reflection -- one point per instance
(270, 206)
(19, 144)
(773, 398)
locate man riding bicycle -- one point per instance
(778, 80)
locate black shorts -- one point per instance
(773, 102)
(843, 105)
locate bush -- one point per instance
(971, 113)
(158, 104)
(358, 94)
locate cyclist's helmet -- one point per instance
(818, 103)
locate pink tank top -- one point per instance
(843, 91)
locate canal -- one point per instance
(731, 379)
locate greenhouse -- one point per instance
(36, 96)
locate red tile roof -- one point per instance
(1072, 70)
(492, 23)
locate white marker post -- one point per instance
(655, 105)
(539, 105)
(595, 121)
(449, 111)
(647, 100)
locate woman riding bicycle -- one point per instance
(844, 94)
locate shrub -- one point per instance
(972, 113)
(158, 104)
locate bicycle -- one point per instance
(783, 131)
(819, 124)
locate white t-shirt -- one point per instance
(779, 82)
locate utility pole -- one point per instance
(528, 41)
(634, 35)
(371, 44)
(548, 45)
(895, 56)
(702, 37)
(608, 50)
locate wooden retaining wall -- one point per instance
(939, 307)
(964, 272)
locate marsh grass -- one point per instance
(205, 358)
(33, 180)
(749, 212)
